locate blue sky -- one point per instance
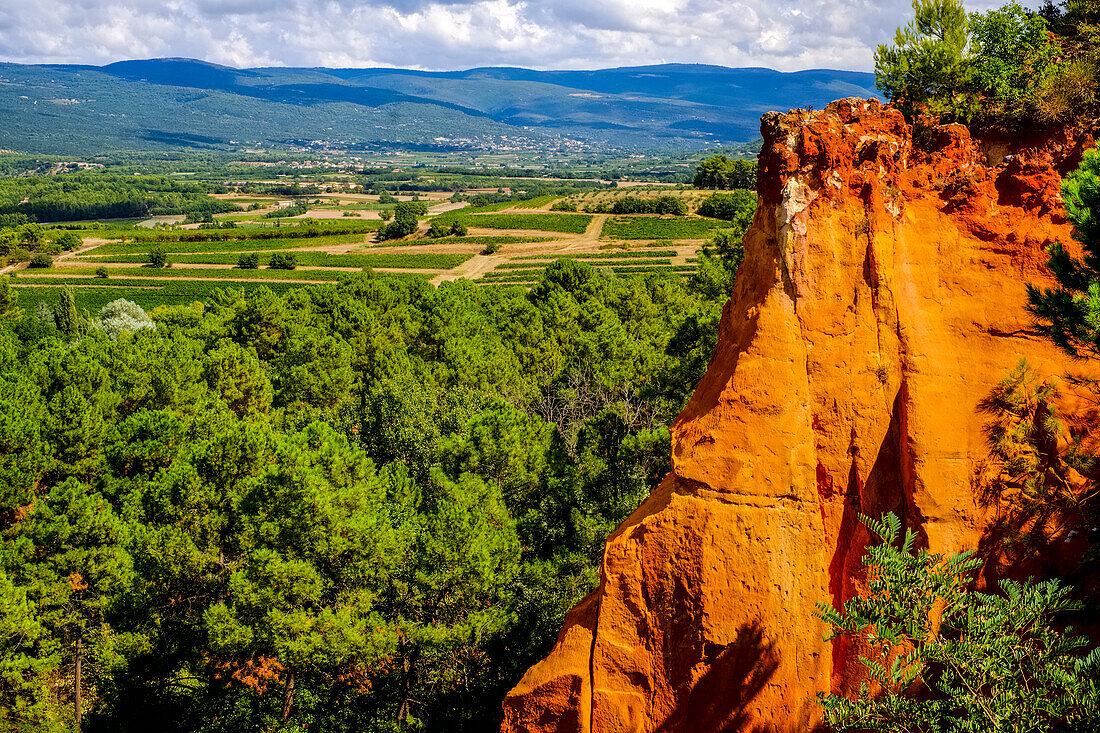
(456, 34)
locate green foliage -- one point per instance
(98, 195)
(1013, 57)
(121, 316)
(363, 505)
(406, 217)
(564, 205)
(458, 229)
(65, 315)
(41, 260)
(737, 206)
(719, 261)
(719, 171)
(659, 205)
(158, 257)
(649, 227)
(297, 209)
(567, 223)
(69, 241)
(9, 301)
(282, 261)
(238, 245)
(926, 66)
(1070, 313)
(947, 658)
(1001, 66)
(102, 272)
(430, 261)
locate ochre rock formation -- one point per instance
(881, 297)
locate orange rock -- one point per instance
(881, 297)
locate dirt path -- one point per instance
(472, 269)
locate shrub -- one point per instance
(458, 229)
(438, 229)
(158, 257)
(491, 248)
(41, 260)
(102, 272)
(926, 66)
(993, 661)
(738, 205)
(120, 316)
(564, 205)
(1001, 66)
(18, 254)
(282, 261)
(405, 220)
(718, 171)
(68, 241)
(659, 205)
(385, 197)
(248, 261)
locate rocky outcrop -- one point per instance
(880, 299)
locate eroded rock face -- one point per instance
(881, 297)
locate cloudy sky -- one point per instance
(456, 34)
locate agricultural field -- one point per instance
(562, 223)
(333, 236)
(660, 227)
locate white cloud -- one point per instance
(442, 34)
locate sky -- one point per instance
(455, 34)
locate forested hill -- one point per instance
(174, 103)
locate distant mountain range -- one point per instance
(183, 103)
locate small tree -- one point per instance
(122, 315)
(9, 302)
(102, 272)
(458, 229)
(158, 257)
(66, 316)
(1070, 313)
(950, 659)
(248, 261)
(41, 260)
(718, 171)
(283, 261)
(438, 229)
(69, 241)
(926, 67)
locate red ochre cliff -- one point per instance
(881, 297)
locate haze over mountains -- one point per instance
(183, 103)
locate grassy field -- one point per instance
(295, 229)
(654, 227)
(533, 203)
(147, 294)
(597, 263)
(195, 273)
(241, 245)
(565, 223)
(482, 240)
(625, 254)
(432, 261)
